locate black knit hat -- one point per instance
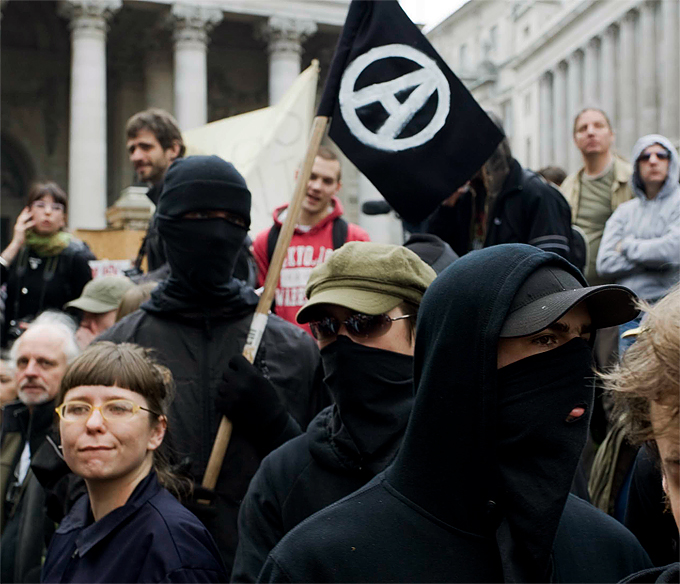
(200, 183)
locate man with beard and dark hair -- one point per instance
(198, 319)
(479, 491)
(362, 310)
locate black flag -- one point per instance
(400, 114)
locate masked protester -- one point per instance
(479, 491)
(362, 310)
(198, 319)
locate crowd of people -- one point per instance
(496, 400)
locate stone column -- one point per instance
(192, 24)
(670, 70)
(87, 132)
(627, 88)
(608, 74)
(560, 135)
(284, 37)
(545, 113)
(647, 65)
(574, 104)
(591, 73)
(158, 86)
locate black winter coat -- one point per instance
(529, 210)
(151, 538)
(295, 481)
(197, 348)
(479, 490)
(37, 283)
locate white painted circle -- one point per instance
(427, 80)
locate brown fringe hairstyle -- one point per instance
(39, 190)
(132, 367)
(161, 124)
(649, 370)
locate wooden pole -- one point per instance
(259, 321)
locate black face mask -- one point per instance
(373, 393)
(538, 451)
(202, 254)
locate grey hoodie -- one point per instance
(648, 259)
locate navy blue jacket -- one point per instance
(152, 538)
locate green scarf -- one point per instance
(48, 245)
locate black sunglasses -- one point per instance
(359, 325)
(663, 155)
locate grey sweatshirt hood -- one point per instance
(671, 183)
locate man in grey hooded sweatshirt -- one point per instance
(641, 243)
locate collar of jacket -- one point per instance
(337, 211)
(16, 417)
(92, 534)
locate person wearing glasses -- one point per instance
(128, 527)
(641, 242)
(361, 308)
(44, 266)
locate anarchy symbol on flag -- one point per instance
(426, 80)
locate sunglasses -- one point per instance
(663, 155)
(359, 325)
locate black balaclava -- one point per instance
(539, 447)
(201, 253)
(488, 451)
(373, 394)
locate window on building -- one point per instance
(527, 158)
(493, 37)
(506, 109)
(527, 104)
(527, 31)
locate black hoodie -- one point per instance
(344, 447)
(479, 489)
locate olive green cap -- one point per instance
(102, 294)
(367, 277)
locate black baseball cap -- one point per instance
(550, 292)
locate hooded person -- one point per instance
(641, 242)
(479, 491)
(368, 363)
(198, 320)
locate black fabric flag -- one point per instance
(400, 114)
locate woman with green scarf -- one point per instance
(44, 266)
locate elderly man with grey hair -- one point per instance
(40, 357)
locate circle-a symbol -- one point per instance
(426, 80)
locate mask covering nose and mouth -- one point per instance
(544, 405)
(202, 253)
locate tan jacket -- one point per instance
(621, 192)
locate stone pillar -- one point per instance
(670, 70)
(561, 138)
(284, 37)
(574, 104)
(192, 23)
(608, 74)
(627, 87)
(87, 132)
(647, 64)
(545, 145)
(591, 73)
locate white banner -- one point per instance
(266, 146)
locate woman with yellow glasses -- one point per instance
(128, 527)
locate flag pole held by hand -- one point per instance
(259, 321)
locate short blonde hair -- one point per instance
(649, 371)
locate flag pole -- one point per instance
(259, 321)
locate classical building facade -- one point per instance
(538, 62)
(73, 71)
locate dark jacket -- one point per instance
(529, 210)
(26, 530)
(298, 479)
(478, 492)
(37, 283)
(196, 347)
(151, 538)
